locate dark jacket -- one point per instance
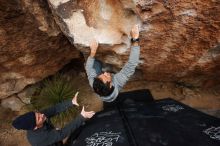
(48, 135)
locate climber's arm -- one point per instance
(90, 70)
(128, 70)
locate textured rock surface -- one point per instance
(31, 45)
(13, 103)
(26, 94)
(180, 39)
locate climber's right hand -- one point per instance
(135, 32)
(93, 46)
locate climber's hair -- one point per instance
(102, 89)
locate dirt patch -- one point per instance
(8, 135)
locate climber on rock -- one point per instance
(40, 130)
(108, 85)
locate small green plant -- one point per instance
(54, 91)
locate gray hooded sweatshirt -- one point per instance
(94, 69)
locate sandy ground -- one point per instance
(205, 100)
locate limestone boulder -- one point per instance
(180, 40)
(32, 46)
(26, 94)
(13, 103)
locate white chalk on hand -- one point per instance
(76, 93)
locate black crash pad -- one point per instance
(145, 122)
